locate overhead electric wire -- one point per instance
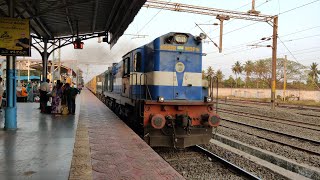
(228, 21)
(294, 56)
(257, 41)
(278, 14)
(301, 38)
(152, 18)
(234, 19)
(298, 7)
(238, 29)
(301, 31)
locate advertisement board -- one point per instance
(15, 37)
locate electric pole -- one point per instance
(221, 19)
(284, 77)
(274, 61)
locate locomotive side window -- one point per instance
(137, 62)
(126, 66)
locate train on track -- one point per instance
(157, 89)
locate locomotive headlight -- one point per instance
(160, 99)
(207, 99)
(201, 37)
(180, 38)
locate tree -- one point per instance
(263, 70)
(219, 75)
(203, 74)
(237, 69)
(229, 82)
(248, 68)
(313, 74)
(210, 71)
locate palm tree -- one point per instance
(237, 69)
(248, 68)
(314, 72)
(203, 74)
(210, 71)
(219, 75)
(260, 67)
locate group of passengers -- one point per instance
(28, 91)
(63, 98)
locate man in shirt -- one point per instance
(44, 89)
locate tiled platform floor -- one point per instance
(42, 146)
(116, 152)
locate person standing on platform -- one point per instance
(1, 92)
(44, 89)
(73, 92)
(56, 98)
(30, 91)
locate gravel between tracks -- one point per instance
(195, 165)
(267, 134)
(292, 130)
(286, 151)
(290, 114)
(242, 162)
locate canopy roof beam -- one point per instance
(94, 17)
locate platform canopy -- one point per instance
(50, 19)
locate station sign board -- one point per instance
(15, 37)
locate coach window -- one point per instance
(137, 62)
(126, 66)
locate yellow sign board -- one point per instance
(15, 37)
(179, 48)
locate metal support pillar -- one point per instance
(274, 61)
(221, 19)
(52, 66)
(45, 60)
(11, 109)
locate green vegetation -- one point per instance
(257, 74)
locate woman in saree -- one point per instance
(56, 99)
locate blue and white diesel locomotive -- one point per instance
(158, 90)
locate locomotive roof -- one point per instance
(170, 33)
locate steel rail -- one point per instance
(273, 131)
(276, 141)
(263, 118)
(229, 164)
(299, 107)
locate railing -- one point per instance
(211, 80)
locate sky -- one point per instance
(299, 30)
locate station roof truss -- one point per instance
(55, 20)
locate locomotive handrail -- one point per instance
(211, 89)
(136, 74)
(146, 85)
(147, 90)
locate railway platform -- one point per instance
(93, 144)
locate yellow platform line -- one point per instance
(81, 168)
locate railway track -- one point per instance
(197, 162)
(300, 124)
(227, 163)
(287, 106)
(293, 141)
